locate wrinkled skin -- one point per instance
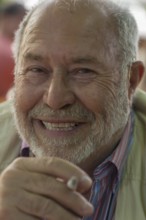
(29, 190)
(70, 103)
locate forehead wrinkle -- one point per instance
(86, 59)
(88, 18)
(90, 31)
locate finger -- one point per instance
(13, 214)
(56, 190)
(72, 183)
(40, 184)
(56, 167)
(45, 208)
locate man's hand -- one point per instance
(35, 188)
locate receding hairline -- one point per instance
(119, 19)
(70, 6)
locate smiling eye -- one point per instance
(84, 71)
(36, 75)
(37, 70)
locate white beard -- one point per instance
(76, 150)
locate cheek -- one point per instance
(92, 98)
(99, 96)
(26, 95)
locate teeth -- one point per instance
(59, 126)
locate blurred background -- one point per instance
(13, 11)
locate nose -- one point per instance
(58, 93)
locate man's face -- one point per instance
(70, 100)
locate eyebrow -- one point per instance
(32, 56)
(76, 60)
(87, 59)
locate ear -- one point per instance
(135, 76)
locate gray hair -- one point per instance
(122, 23)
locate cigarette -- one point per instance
(72, 183)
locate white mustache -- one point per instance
(75, 112)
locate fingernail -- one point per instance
(86, 180)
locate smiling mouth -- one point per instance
(60, 126)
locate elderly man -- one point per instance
(80, 152)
